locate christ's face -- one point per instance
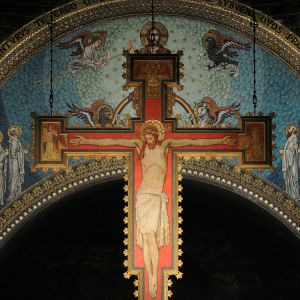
(154, 36)
(150, 140)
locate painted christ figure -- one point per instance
(151, 202)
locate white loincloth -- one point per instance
(152, 216)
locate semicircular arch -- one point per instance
(89, 173)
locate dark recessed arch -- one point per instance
(234, 249)
(73, 249)
(228, 242)
(246, 183)
(216, 172)
(56, 188)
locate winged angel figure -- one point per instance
(219, 51)
(208, 114)
(87, 47)
(98, 115)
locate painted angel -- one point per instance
(208, 114)
(221, 51)
(87, 47)
(98, 115)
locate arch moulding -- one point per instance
(96, 171)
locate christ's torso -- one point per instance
(154, 168)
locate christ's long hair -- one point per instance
(150, 129)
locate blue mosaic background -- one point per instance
(28, 90)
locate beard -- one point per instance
(151, 146)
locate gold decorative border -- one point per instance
(178, 241)
(129, 237)
(244, 182)
(59, 185)
(34, 36)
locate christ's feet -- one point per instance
(153, 287)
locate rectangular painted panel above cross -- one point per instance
(156, 75)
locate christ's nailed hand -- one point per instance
(228, 140)
(78, 140)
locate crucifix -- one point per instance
(153, 138)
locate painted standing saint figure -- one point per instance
(15, 162)
(50, 143)
(3, 169)
(151, 203)
(291, 161)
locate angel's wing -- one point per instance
(75, 42)
(225, 112)
(82, 114)
(229, 43)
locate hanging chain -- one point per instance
(51, 65)
(152, 13)
(152, 33)
(254, 26)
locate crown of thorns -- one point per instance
(148, 127)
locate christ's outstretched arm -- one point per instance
(80, 140)
(227, 140)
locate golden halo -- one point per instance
(13, 128)
(292, 125)
(145, 33)
(158, 125)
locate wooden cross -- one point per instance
(157, 74)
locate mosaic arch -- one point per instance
(187, 99)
